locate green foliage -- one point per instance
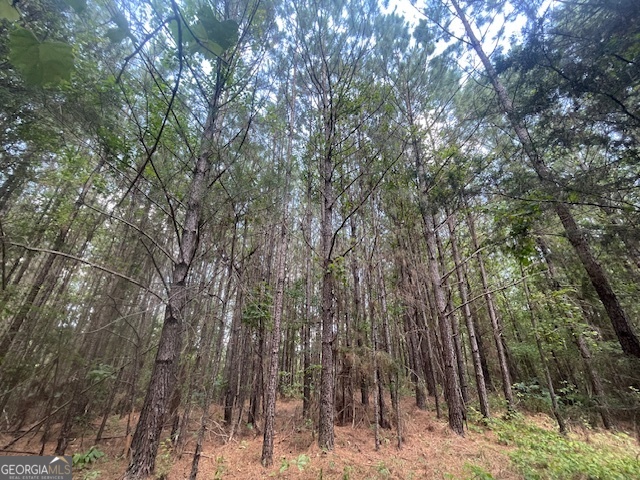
(532, 396)
(220, 468)
(81, 460)
(338, 269)
(100, 372)
(346, 472)
(40, 63)
(259, 308)
(78, 5)
(383, 470)
(544, 454)
(121, 30)
(164, 460)
(478, 473)
(301, 461)
(208, 35)
(91, 475)
(289, 388)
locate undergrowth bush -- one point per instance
(546, 455)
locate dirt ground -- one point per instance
(430, 450)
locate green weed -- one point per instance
(546, 455)
(478, 473)
(81, 460)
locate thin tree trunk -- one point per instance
(543, 361)
(374, 362)
(308, 293)
(278, 307)
(204, 418)
(466, 310)
(394, 379)
(146, 438)
(455, 324)
(493, 316)
(45, 268)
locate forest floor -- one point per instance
(430, 450)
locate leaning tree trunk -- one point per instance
(146, 438)
(619, 320)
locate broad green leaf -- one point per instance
(224, 33)
(57, 61)
(40, 63)
(24, 51)
(8, 11)
(209, 35)
(78, 5)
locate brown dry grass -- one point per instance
(430, 451)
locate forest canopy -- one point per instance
(228, 202)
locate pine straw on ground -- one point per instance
(430, 450)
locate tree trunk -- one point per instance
(451, 382)
(327, 380)
(308, 294)
(278, 307)
(466, 310)
(374, 362)
(455, 324)
(146, 438)
(543, 361)
(496, 324)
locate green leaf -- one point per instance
(8, 11)
(40, 63)
(78, 5)
(57, 61)
(223, 33)
(208, 35)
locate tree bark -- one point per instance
(455, 324)
(278, 307)
(451, 382)
(496, 324)
(555, 408)
(466, 310)
(327, 380)
(146, 438)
